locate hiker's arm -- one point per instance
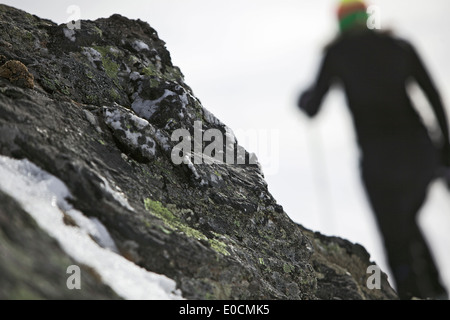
(311, 99)
(424, 80)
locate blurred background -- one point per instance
(248, 61)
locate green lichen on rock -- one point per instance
(114, 94)
(172, 222)
(111, 67)
(158, 210)
(287, 268)
(150, 71)
(169, 74)
(99, 31)
(219, 246)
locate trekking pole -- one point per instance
(320, 177)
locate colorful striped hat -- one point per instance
(352, 13)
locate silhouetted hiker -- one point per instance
(398, 158)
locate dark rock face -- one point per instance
(105, 107)
(341, 270)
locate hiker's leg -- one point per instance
(396, 207)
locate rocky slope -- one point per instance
(97, 109)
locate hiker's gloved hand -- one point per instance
(303, 99)
(307, 104)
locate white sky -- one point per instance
(247, 61)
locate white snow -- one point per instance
(44, 196)
(114, 51)
(146, 108)
(135, 76)
(163, 140)
(94, 228)
(184, 99)
(113, 119)
(92, 55)
(140, 45)
(117, 194)
(139, 122)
